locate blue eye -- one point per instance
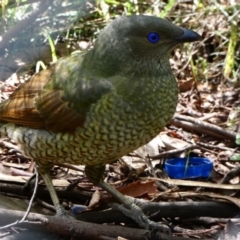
(153, 37)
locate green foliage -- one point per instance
(52, 47)
(167, 8)
(238, 139)
(187, 163)
(235, 157)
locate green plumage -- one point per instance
(95, 107)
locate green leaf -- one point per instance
(238, 139)
(235, 157)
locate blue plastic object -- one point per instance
(191, 167)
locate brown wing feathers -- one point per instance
(20, 107)
(32, 106)
(56, 113)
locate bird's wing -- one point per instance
(20, 107)
(57, 99)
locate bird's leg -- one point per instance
(44, 171)
(129, 208)
(48, 181)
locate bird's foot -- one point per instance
(61, 212)
(135, 212)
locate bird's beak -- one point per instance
(189, 36)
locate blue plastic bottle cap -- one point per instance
(189, 167)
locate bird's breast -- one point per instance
(118, 125)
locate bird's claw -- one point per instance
(134, 212)
(61, 212)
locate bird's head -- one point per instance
(143, 35)
(138, 38)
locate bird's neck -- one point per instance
(102, 65)
(108, 65)
(135, 79)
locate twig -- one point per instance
(159, 184)
(176, 208)
(194, 183)
(79, 230)
(230, 175)
(10, 145)
(174, 152)
(33, 195)
(29, 206)
(210, 146)
(203, 127)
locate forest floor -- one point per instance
(206, 123)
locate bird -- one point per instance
(93, 107)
